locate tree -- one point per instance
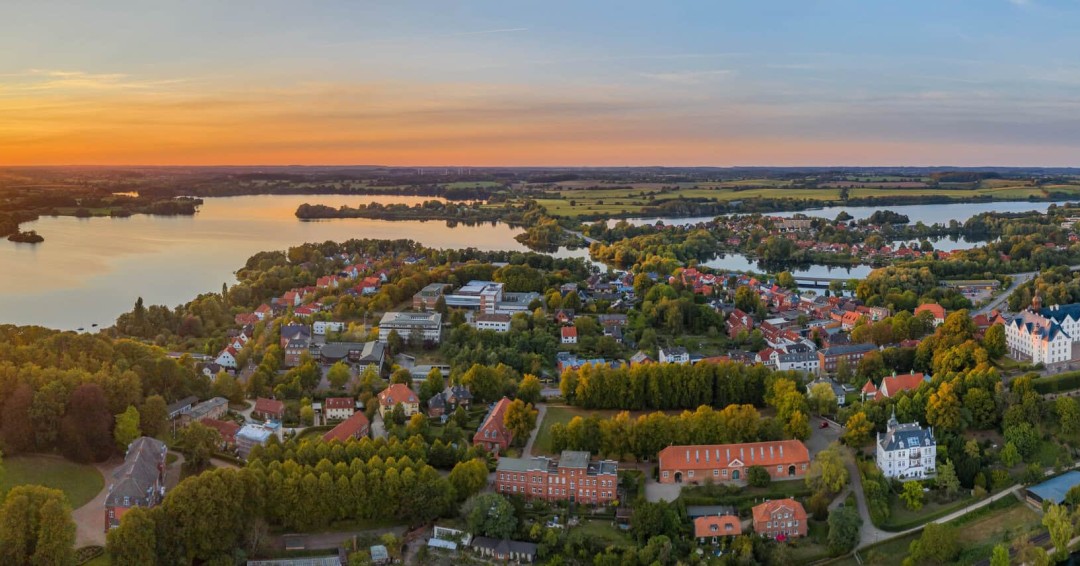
(394, 343)
(936, 545)
(16, 429)
(912, 495)
(858, 430)
(943, 410)
(86, 428)
(1025, 437)
(225, 385)
(947, 480)
(134, 542)
(153, 416)
(36, 527)
(520, 418)
(489, 514)
(468, 478)
(758, 476)
(338, 375)
(397, 414)
(827, 472)
(56, 534)
(843, 371)
(1057, 522)
(127, 428)
(844, 525)
(994, 341)
(529, 389)
(1000, 556)
(200, 442)
(433, 385)
(1068, 411)
(822, 398)
(1010, 456)
(786, 280)
(307, 414)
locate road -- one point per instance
(90, 518)
(1018, 280)
(587, 239)
(541, 410)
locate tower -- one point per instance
(1036, 303)
(893, 423)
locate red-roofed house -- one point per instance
(780, 519)
(263, 311)
(268, 409)
(493, 434)
(719, 463)
(849, 319)
(569, 335)
(710, 529)
(338, 408)
(738, 321)
(398, 393)
(356, 426)
(227, 358)
(892, 385)
(870, 391)
(227, 430)
(933, 308)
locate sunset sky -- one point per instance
(510, 82)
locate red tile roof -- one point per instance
(763, 513)
(710, 456)
(227, 429)
(495, 421)
(352, 427)
(569, 332)
(894, 384)
(339, 403)
(717, 526)
(397, 393)
(935, 309)
(269, 406)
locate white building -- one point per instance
(426, 326)
(496, 322)
(675, 355)
(321, 327)
(227, 358)
(906, 451)
(1044, 335)
(806, 362)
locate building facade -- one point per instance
(398, 393)
(1044, 335)
(338, 408)
(425, 326)
(781, 519)
(906, 451)
(493, 434)
(721, 463)
(829, 358)
(573, 477)
(139, 481)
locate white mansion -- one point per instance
(1044, 335)
(906, 451)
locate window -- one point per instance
(725, 473)
(691, 473)
(715, 473)
(665, 474)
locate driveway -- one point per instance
(656, 491)
(541, 410)
(820, 438)
(378, 427)
(90, 518)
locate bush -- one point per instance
(1056, 383)
(758, 476)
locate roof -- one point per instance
(717, 526)
(305, 561)
(270, 406)
(494, 419)
(348, 428)
(764, 511)
(933, 308)
(569, 332)
(712, 456)
(139, 473)
(907, 435)
(227, 429)
(673, 351)
(848, 349)
(574, 459)
(254, 432)
(339, 403)
(378, 552)
(184, 403)
(1054, 489)
(504, 546)
(397, 393)
(695, 511)
(894, 384)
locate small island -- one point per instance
(28, 237)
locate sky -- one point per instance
(540, 83)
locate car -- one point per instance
(824, 424)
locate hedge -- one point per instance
(1057, 383)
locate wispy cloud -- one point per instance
(45, 80)
(690, 77)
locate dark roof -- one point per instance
(848, 349)
(182, 404)
(907, 435)
(694, 511)
(504, 546)
(136, 477)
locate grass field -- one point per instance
(79, 482)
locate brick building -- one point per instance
(783, 459)
(573, 477)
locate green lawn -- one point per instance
(606, 532)
(901, 518)
(80, 482)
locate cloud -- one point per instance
(59, 80)
(689, 77)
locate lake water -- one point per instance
(90, 270)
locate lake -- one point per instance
(90, 270)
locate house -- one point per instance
(640, 358)
(249, 436)
(493, 435)
(327, 282)
(1044, 335)
(674, 355)
(780, 519)
(379, 554)
(906, 451)
(226, 429)
(829, 358)
(936, 310)
(182, 406)
(361, 355)
(564, 316)
(449, 400)
(398, 393)
(338, 408)
(428, 297)
(722, 463)
(710, 529)
(496, 322)
(321, 327)
(138, 482)
(295, 342)
(268, 409)
(227, 358)
(806, 362)
(504, 550)
(370, 286)
(356, 426)
(210, 409)
(612, 319)
(573, 477)
(737, 322)
(423, 326)
(569, 335)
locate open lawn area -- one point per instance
(605, 531)
(901, 518)
(79, 482)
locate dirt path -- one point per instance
(541, 410)
(90, 518)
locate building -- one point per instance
(806, 362)
(934, 309)
(356, 426)
(268, 409)
(361, 355)
(504, 550)
(338, 408)
(250, 436)
(674, 355)
(719, 463)
(181, 407)
(493, 434)
(210, 409)
(1045, 335)
(640, 358)
(495, 322)
(295, 342)
(321, 327)
(226, 429)
(449, 400)
(396, 394)
(893, 385)
(573, 477)
(227, 358)
(139, 481)
(906, 451)
(424, 326)
(428, 297)
(780, 519)
(489, 297)
(712, 529)
(829, 358)
(1054, 489)
(836, 389)
(569, 334)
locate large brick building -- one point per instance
(780, 519)
(783, 459)
(852, 353)
(573, 477)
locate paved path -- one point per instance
(378, 427)
(90, 518)
(541, 410)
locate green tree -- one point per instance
(844, 525)
(56, 534)
(1057, 522)
(1000, 556)
(994, 341)
(397, 414)
(858, 429)
(154, 416)
(1068, 411)
(947, 481)
(828, 473)
(1025, 437)
(758, 476)
(489, 514)
(822, 398)
(468, 478)
(338, 375)
(936, 545)
(134, 542)
(127, 428)
(1010, 456)
(307, 415)
(36, 527)
(199, 442)
(520, 418)
(786, 280)
(529, 389)
(912, 495)
(433, 385)
(943, 410)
